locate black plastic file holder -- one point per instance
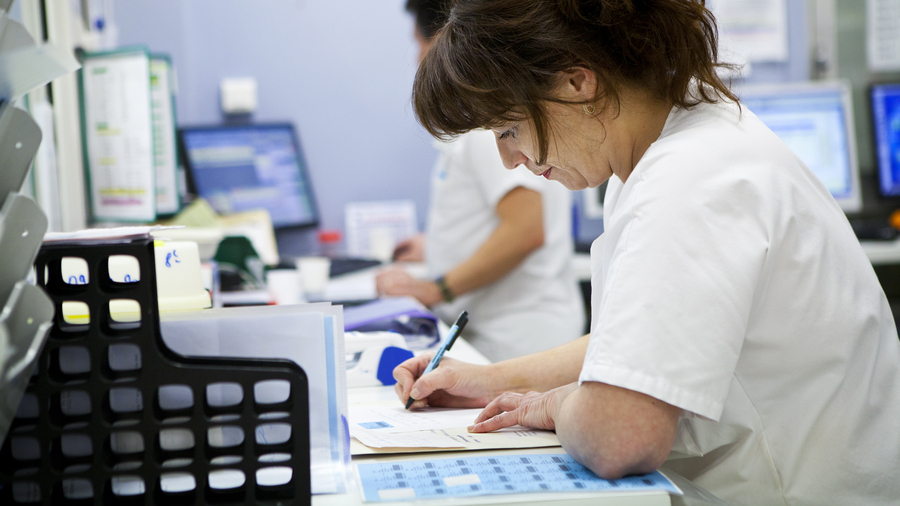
(112, 416)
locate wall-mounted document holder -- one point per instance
(19, 140)
(26, 311)
(112, 416)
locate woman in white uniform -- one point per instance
(739, 335)
(498, 243)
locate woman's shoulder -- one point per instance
(714, 136)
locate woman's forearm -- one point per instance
(519, 232)
(541, 371)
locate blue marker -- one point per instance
(455, 331)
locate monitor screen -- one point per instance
(816, 121)
(886, 114)
(246, 167)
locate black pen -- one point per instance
(455, 330)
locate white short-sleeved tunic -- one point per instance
(538, 304)
(729, 284)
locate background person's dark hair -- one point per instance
(430, 15)
(498, 61)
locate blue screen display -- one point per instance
(813, 123)
(886, 113)
(251, 167)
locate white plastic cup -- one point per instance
(314, 273)
(285, 286)
(381, 244)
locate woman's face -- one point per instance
(585, 148)
(578, 154)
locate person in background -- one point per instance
(739, 335)
(498, 243)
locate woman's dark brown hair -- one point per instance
(498, 61)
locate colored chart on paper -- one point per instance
(511, 474)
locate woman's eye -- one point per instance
(506, 134)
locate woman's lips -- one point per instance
(546, 173)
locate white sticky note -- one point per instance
(394, 494)
(466, 479)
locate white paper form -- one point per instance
(164, 153)
(119, 139)
(752, 30)
(883, 35)
(394, 419)
(312, 336)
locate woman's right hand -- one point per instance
(452, 384)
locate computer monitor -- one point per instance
(244, 167)
(816, 121)
(886, 115)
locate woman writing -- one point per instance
(739, 335)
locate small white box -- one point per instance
(238, 95)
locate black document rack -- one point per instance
(112, 416)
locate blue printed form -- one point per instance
(511, 474)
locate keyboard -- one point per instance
(874, 230)
(346, 265)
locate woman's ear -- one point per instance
(578, 84)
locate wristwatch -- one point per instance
(446, 294)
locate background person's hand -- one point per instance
(410, 250)
(452, 384)
(396, 282)
(534, 409)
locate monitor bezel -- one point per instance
(853, 203)
(304, 168)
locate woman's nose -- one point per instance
(511, 156)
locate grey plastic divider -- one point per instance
(22, 228)
(25, 321)
(20, 137)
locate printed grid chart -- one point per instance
(472, 476)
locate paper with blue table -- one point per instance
(471, 475)
(312, 336)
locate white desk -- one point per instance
(882, 252)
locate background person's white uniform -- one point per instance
(537, 305)
(728, 283)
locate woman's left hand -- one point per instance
(534, 409)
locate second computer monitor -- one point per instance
(816, 121)
(886, 115)
(245, 167)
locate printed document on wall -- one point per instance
(165, 156)
(752, 30)
(118, 135)
(883, 35)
